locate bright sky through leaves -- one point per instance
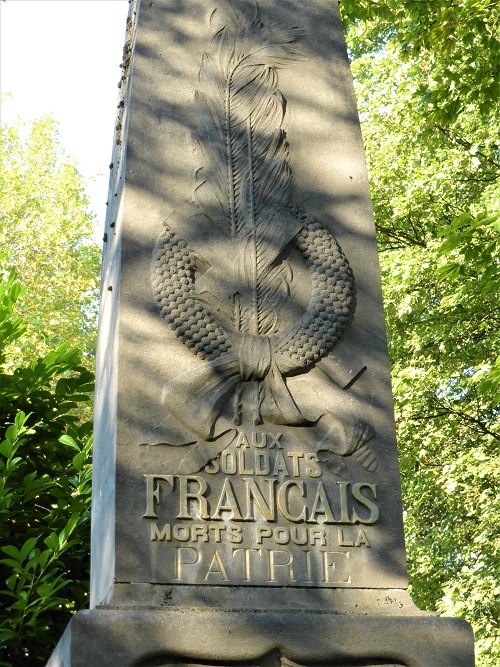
(63, 57)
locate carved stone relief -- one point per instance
(224, 267)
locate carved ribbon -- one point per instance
(205, 391)
(198, 399)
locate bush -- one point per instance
(45, 489)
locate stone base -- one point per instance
(157, 637)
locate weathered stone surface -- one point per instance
(146, 638)
(247, 503)
(238, 308)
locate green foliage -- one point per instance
(46, 233)
(426, 77)
(44, 491)
(458, 43)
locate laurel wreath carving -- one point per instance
(317, 333)
(173, 282)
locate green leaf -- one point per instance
(12, 551)
(450, 244)
(10, 562)
(52, 542)
(68, 440)
(6, 448)
(449, 271)
(45, 589)
(79, 460)
(27, 548)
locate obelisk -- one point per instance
(246, 503)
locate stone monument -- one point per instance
(246, 505)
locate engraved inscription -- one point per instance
(263, 513)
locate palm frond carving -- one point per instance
(246, 184)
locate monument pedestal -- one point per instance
(160, 637)
(246, 496)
